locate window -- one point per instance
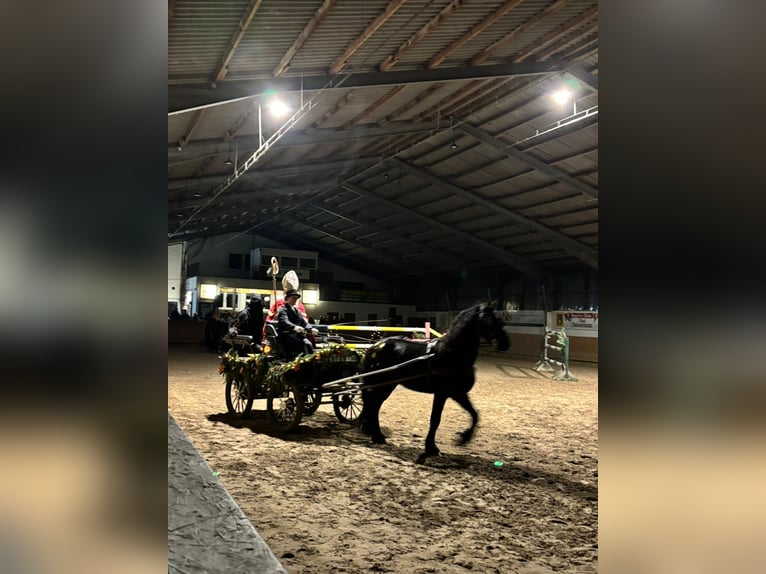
(307, 263)
(266, 260)
(289, 261)
(228, 300)
(208, 291)
(310, 296)
(235, 261)
(247, 261)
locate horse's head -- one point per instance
(491, 328)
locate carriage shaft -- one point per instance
(339, 382)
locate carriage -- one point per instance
(358, 383)
(293, 387)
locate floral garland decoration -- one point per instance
(228, 362)
(264, 368)
(304, 367)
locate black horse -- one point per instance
(443, 368)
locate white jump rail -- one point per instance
(426, 331)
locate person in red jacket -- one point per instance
(289, 281)
(292, 327)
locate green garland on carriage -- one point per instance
(305, 367)
(265, 369)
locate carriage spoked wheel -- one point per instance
(348, 406)
(285, 401)
(312, 398)
(238, 399)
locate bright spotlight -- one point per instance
(562, 96)
(278, 108)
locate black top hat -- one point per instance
(292, 293)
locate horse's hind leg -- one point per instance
(436, 419)
(465, 402)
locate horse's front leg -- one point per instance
(436, 418)
(373, 400)
(465, 402)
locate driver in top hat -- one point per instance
(292, 327)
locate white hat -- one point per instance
(290, 281)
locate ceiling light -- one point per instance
(278, 108)
(228, 161)
(454, 145)
(562, 96)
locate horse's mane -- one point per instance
(460, 322)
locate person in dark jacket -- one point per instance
(292, 327)
(250, 319)
(215, 329)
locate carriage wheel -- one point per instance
(348, 406)
(285, 404)
(312, 398)
(238, 399)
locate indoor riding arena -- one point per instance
(354, 186)
(521, 497)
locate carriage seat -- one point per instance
(272, 337)
(243, 343)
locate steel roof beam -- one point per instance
(566, 129)
(528, 159)
(319, 15)
(253, 197)
(371, 108)
(328, 251)
(585, 77)
(193, 125)
(371, 28)
(196, 184)
(192, 95)
(487, 52)
(386, 232)
(473, 32)
(244, 24)
(447, 11)
(339, 105)
(200, 149)
(558, 33)
(508, 257)
(577, 249)
(376, 252)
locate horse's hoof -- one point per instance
(464, 437)
(426, 455)
(379, 439)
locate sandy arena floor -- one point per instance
(326, 500)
